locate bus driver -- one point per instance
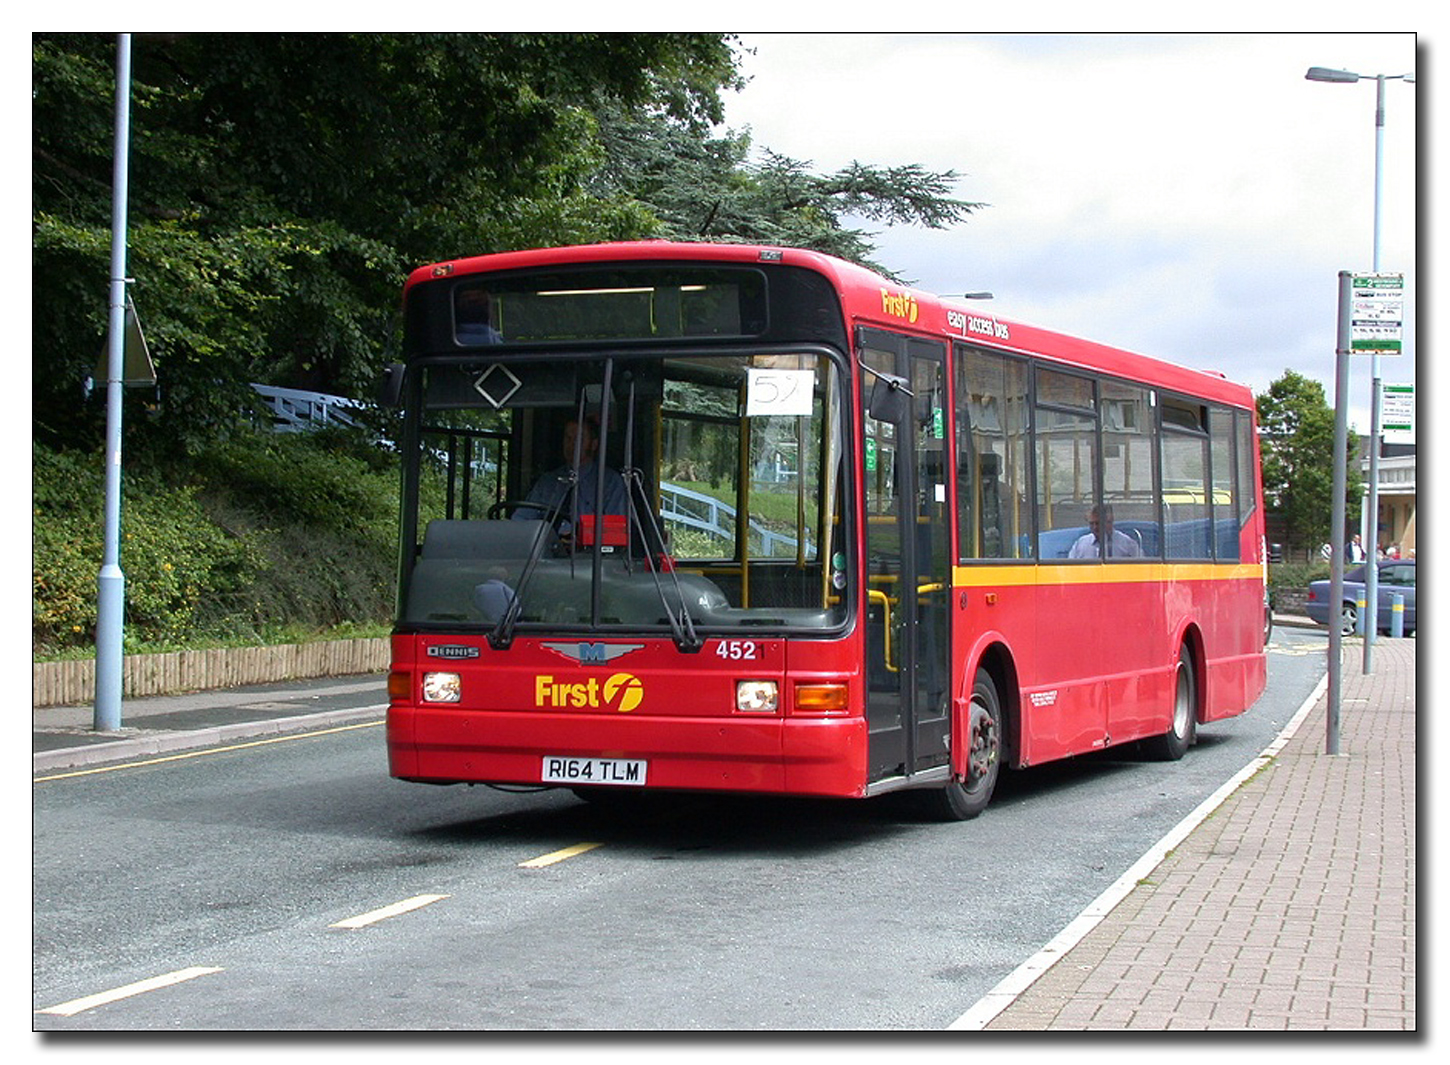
(551, 489)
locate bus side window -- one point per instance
(1129, 430)
(1225, 499)
(993, 518)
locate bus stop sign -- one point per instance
(1377, 314)
(1397, 409)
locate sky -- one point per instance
(1188, 196)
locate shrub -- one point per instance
(175, 560)
(307, 480)
(261, 534)
(1293, 578)
(1296, 575)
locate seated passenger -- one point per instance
(493, 596)
(471, 312)
(1118, 544)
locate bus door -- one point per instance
(908, 580)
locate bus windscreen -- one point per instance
(703, 492)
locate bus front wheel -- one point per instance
(964, 799)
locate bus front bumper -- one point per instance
(797, 756)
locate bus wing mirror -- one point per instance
(890, 399)
(390, 385)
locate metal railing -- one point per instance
(294, 410)
(696, 510)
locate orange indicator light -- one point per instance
(821, 698)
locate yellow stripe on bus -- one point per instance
(1102, 573)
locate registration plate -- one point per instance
(623, 771)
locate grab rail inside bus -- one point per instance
(875, 595)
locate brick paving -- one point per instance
(1291, 906)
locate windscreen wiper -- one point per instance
(682, 626)
(596, 505)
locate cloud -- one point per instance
(1188, 196)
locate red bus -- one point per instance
(754, 519)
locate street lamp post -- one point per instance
(1371, 570)
(111, 582)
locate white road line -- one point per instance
(558, 856)
(362, 920)
(1020, 979)
(76, 1005)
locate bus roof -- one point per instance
(870, 299)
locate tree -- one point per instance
(703, 187)
(282, 185)
(1296, 432)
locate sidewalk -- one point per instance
(1291, 906)
(64, 737)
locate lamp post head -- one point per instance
(1328, 74)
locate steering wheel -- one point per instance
(504, 506)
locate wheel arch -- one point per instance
(994, 656)
(1191, 637)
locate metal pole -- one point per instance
(1371, 541)
(1337, 506)
(112, 582)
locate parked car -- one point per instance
(1396, 577)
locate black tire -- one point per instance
(962, 800)
(1268, 624)
(1182, 733)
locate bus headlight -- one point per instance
(756, 696)
(442, 687)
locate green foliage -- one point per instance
(1296, 427)
(299, 477)
(261, 533)
(701, 187)
(282, 185)
(182, 571)
(323, 509)
(1295, 576)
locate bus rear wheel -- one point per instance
(962, 800)
(1174, 743)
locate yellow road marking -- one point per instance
(207, 751)
(76, 1005)
(362, 920)
(558, 856)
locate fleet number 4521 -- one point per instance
(736, 650)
